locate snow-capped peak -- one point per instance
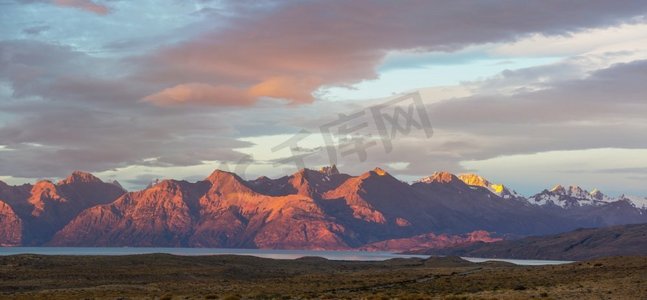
(475, 180)
(498, 189)
(438, 177)
(578, 192)
(598, 195)
(573, 196)
(558, 189)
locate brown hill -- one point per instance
(625, 240)
(430, 241)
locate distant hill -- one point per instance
(624, 240)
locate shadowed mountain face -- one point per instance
(311, 209)
(625, 240)
(477, 208)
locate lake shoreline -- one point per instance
(262, 253)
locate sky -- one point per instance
(526, 93)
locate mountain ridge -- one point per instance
(310, 209)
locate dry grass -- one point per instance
(238, 277)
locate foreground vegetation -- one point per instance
(160, 276)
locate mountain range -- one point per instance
(311, 209)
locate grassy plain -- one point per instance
(160, 276)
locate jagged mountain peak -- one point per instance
(498, 189)
(558, 189)
(310, 182)
(165, 184)
(376, 172)
(118, 184)
(572, 191)
(42, 185)
(225, 183)
(380, 171)
(305, 172)
(223, 176)
(573, 196)
(330, 170)
(440, 177)
(80, 177)
(597, 194)
(42, 192)
(323, 171)
(474, 179)
(168, 187)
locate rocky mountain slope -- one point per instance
(10, 226)
(45, 207)
(220, 211)
(311, 209)
(624, 240)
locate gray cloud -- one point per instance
(604, 110)
(69, 109)
(635, 171)
(36, 30)
(612, 94)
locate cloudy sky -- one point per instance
(526, 93)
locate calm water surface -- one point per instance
(266, 253)
(523, 262)
(276, 254)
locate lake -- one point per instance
(523, 262)
(265, 253)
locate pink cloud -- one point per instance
(87, 5)
(299, 90)
(201, 93)
(292, 50)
